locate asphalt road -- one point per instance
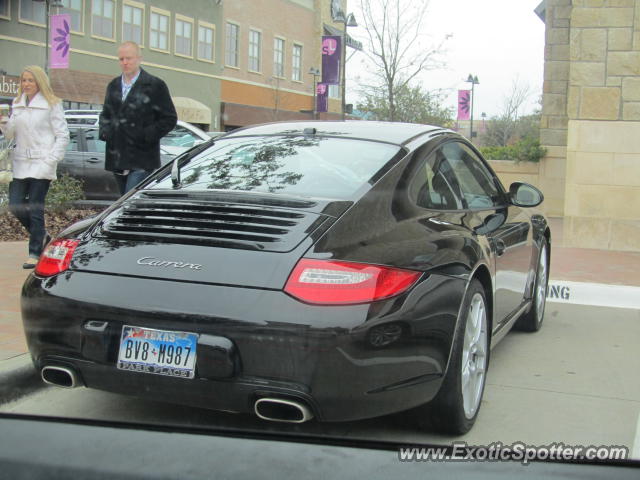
(575, 382)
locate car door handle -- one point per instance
(499, 247)
(93, 160)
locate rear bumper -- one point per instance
(252, 343)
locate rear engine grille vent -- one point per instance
(210, 223)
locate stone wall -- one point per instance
(604, 54)
(602, 202)
(554, 120)
(591, 121)
(602, 208)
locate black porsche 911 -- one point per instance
(336, 270)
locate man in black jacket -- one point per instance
(137, 113)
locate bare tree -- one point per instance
(502, 128)
(395, 37)
(278, 97)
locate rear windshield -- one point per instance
(294, 165)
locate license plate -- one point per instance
(160, 352)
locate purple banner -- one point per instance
(60, 41)
(464, 104)
(322, 97)
(331, 54)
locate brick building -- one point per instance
(227, 63)
(270, 46)
(182, 47)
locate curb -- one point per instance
(18, 378)
(593, 294)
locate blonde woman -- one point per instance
(38, 126)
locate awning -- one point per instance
(192, 111)
(351, 42)
(79, 86)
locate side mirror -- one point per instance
(525, 195)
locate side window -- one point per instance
(74, 140)
(178, 137)
(94, 144)
(434, 186)
(476, 182)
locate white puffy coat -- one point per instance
(41, 136)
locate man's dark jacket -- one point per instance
(133, 128)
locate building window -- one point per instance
(132, 23)
(334, 91)
(74, 9)
(102, 18)
(296, 63)
(255, 47)
(183, 37)
(278, 57)
(159, 31)
(32, 11)
(206, 34)
(231, 45)
(4, 9)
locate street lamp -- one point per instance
(474, 81)
(348, 21)
(47, 9)
(316, 73)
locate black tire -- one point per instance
(532, 320)
(447, 413)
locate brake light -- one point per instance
(56, 257)
(331, 282)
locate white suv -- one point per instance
(179, 140)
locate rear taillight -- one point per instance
(56, 257)
(330, 282)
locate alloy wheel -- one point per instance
(474, 355)
(541, 284)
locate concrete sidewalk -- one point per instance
(12, 276)
(570, 266)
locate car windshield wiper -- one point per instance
(182, 160)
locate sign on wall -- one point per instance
(9, 86)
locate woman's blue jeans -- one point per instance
(26, 202)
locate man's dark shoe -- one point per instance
(30, 263)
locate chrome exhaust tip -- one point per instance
(59, 376)
(280, 410)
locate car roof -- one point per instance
(392, 132)
(90, 118)
(82, 112)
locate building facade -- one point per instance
(269, 49)
(180, 46)
(591, 121)
(227, 63)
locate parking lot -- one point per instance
(574, 382)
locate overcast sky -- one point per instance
(496, 40)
